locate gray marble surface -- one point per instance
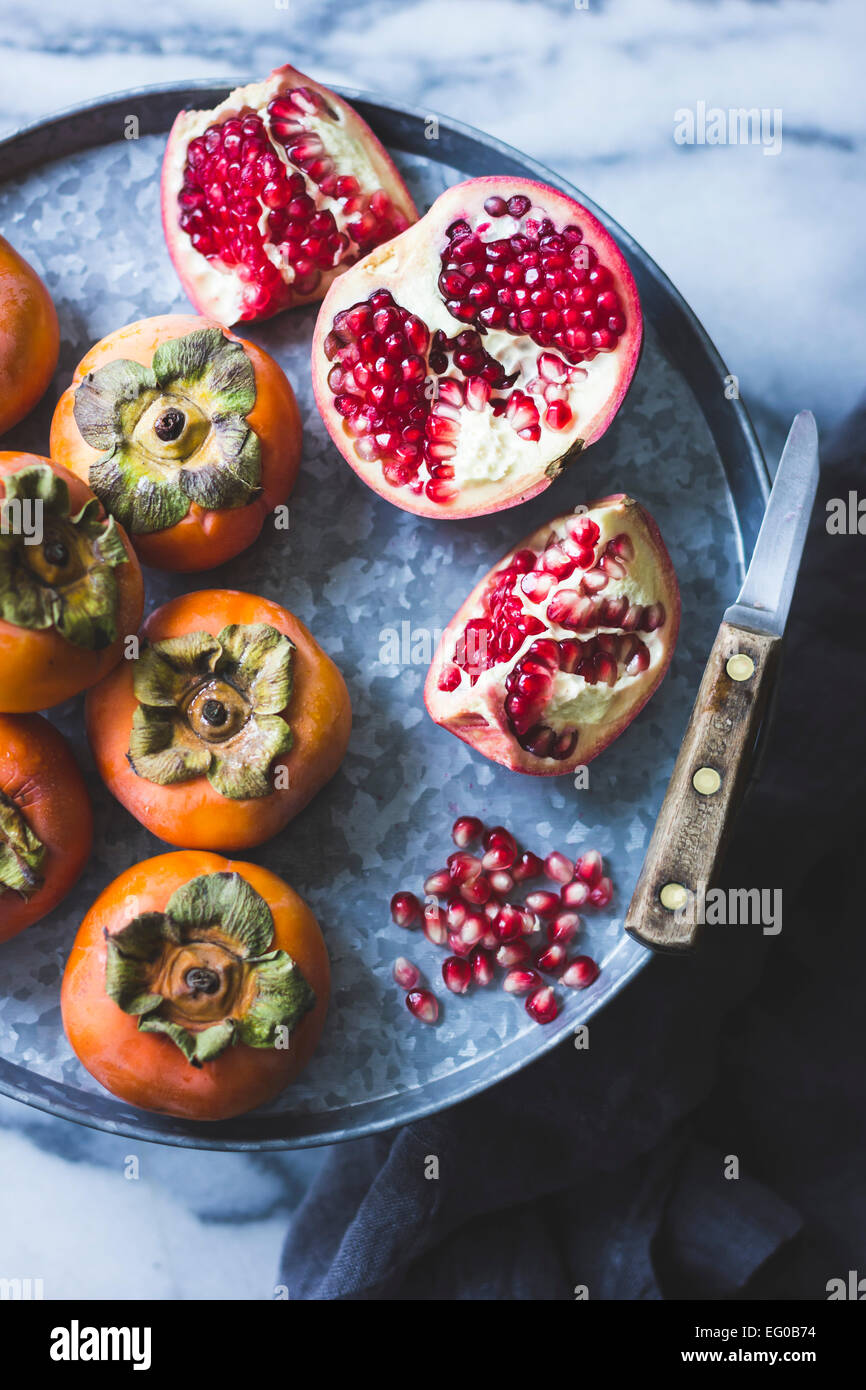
(766, 248)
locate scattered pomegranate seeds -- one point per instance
(457, 974)
(465, 830)
(580, 973)
(423, 1005)
(484, 929)
(406, 974)
(542, 1005)
(405, 909)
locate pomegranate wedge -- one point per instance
(558, 648)
(462, 366)
(272, 194)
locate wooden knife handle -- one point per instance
(706, 786)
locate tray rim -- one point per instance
(29, 146)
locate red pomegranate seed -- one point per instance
(458, 945)
(558, 415)
(464, 868)
(580, 973)
(434, 924)
(602, 893)
(527, 866)
(457, 974)
(588, 867)
(465, 830)
(557, 867)
(482, 967)
(498, 835)
(542, 1005)
(542, 903)
(563, 927)
(405, 973)
(552, 959)
(477, 890)
(575, 894)
(501, 882)
(509, 923)
(405, 909)
(531, 923)
(423, 1005)
(456, 913)
(521, 981)
(473, 929)
(438, 884)
(498, 857)
(512, 953)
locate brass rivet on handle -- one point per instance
(707, 781)
(673, 896)
(740, 667)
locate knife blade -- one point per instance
(765, 598)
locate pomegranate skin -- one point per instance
(229, 298)
(409, 268)
(477, 713)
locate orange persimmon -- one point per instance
(231, 719)
(70, 585)
(189, 435)
(46, 821)
(29, 337)
(197, 986)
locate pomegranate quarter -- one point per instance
(562, 644)
(460, 367)
(270, 195)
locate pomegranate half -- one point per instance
(272, 193)
(558, 648)
(460, 367)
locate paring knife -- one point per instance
(713, 764)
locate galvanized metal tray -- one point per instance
(80, 199)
